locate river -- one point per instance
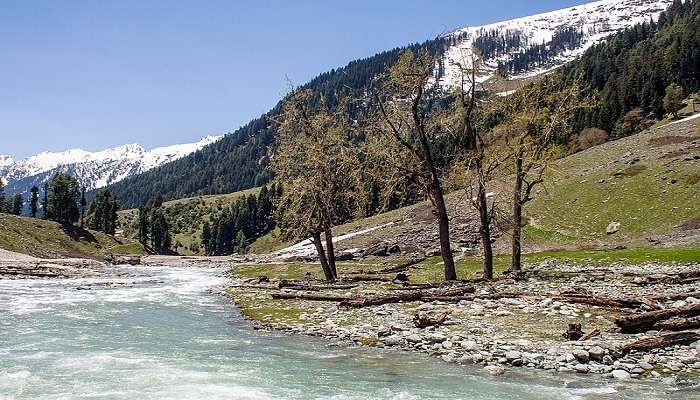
(165, 333)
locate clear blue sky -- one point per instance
(96, 74)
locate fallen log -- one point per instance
(311, 297)
(597, 301)
(403, 267)
(253, 286)
(457, 299)
(677, 296)
(377, 301)
(660, 342)
(590, 334)
(641, 322)
(677, 324)
(311, 287)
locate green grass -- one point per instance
(49, 239)
(431, 269)
(587, 191)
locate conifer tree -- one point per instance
(673, 99)
(34, 201)
(17, 204)
(83, 203)
(2, 196)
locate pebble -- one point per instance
(621, 374)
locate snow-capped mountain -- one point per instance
(93, 169)
(529, 46)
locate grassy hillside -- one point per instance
(47, 239)
(649, 183)
(186, 216)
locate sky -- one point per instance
(98, 74)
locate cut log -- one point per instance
(376, 301)
(641, 322)
(677, 324)
(253, 286)
(311, 297)
(660, 342)
(403, 267)
(573, 332)
(590, 334)
(311, 287)
(424, 320)
(677, 296)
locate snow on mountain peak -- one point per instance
(592, 21)
(93, 169)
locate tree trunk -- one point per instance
(485, 232)
(642, 322)
(661, 342)
(316, 239)
(517, 213)
(331, 253)
(438, 201)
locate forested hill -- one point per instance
(629, 73)
(238, 161)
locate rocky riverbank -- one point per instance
(523, 329)
(18, 265)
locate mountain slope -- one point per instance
(239, 160)
(93, 169)
(529, 46)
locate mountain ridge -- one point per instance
(94, 169)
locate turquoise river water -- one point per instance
(164, 333)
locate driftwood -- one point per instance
(457, 299)
(424, 320)
(253, 286)
(677, 324)
(677, 296)
(403, 267)
(376, 301)
(590, 334)
(311, 297)
(296, 285)
(642, 322)
(660, 342)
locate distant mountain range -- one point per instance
(93, 169)
(511, 51)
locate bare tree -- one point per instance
(471, 137)
(317, 165)
(407, 131)
(536, 115)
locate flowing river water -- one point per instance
(163, 333)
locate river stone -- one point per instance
(581, 355)
(512, 355)
(645, 365)
(621, 374)
(581, 368)
(495, 370)
(597, 353)
(391, 340)
(470, 345)
(414, 338)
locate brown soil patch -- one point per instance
(690, 225)
(671, 139)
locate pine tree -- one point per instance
(62, 199)
(2, 196)
(206, 237)
(45, 202)
(83, 203)
(34, 201)
(17, 204)
(673, 99)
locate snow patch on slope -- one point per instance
(596, 21)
